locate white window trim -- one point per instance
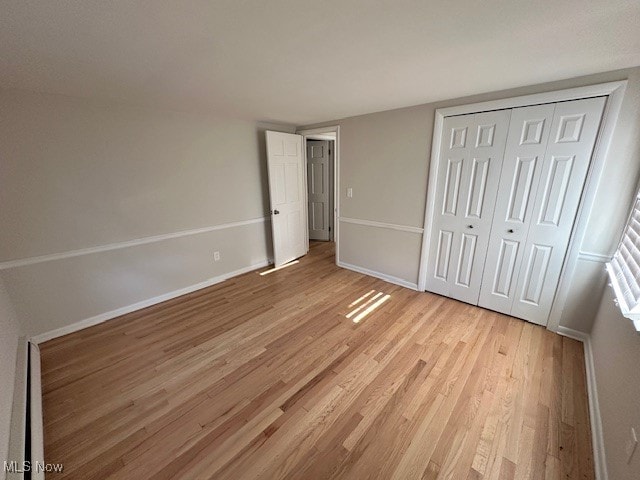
(632, 312)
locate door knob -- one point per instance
(276, 212)
(510, 230)
(469, 226)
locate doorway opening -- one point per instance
(321, 149)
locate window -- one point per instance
(624, 268)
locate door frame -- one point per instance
(615, 93)
(331, 140)
(336, 179)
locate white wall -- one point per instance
(76, 174)
(616, 355)
(9, 335)
(385, 159)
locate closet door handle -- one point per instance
(510, 230)
(469, 226)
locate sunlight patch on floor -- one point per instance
(267, 272)
(355, 302)
(373, 300)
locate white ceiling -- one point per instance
(301, 61)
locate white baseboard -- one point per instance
(35, 412)
(381, 276)
(103, 317)
(597, 438)
(575, 334)
(18, 432)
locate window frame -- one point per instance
(632, 312)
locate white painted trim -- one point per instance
(103, 317)
(336, 177)
(390, 226)
(589, 91)
(129, 243)
(431, 199)
(598, 158)
(594, 257)
(321, 136)
(18, 433)
(35, 412)
(597, 438)
(571, 333)
(382, 276)
(615, 92)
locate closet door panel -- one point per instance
(468, 173)
(486, 153)
(503, 279)
(453, 159)
(526, 144)
(563, 174)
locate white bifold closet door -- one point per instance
(547, 157)
(469, 168)
(526, 145)
(507, 193)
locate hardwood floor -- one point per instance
(266, 377)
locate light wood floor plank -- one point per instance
(269, 377)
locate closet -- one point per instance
(507, 192)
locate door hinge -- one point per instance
(329, 228)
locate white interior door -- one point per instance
(547, 157)
(319, 183)
(470, 162)
(563, 174)
(287, 196)
(526, 145)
